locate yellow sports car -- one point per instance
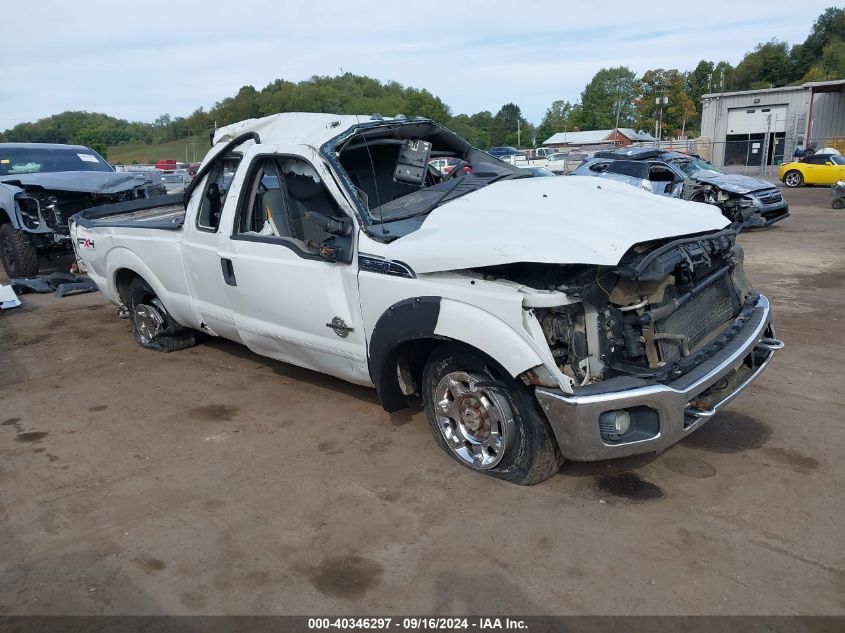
(818, 169)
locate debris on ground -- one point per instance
(60, 284)
(8, 298)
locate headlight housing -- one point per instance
(29, 211)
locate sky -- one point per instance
(137, 60)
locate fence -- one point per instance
(758, 152)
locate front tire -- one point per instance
(152, 325)
(20, 258)
(793, 178)
(838, 203)
(485, 419)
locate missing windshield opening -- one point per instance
(376, 161)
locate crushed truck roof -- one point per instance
(299, 128)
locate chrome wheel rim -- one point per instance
(476, 422)
(148, 321)
(792, 180)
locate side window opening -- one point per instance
(658, 173)
(661, 178)
(214, 193)
(627, 168)
(281, 194)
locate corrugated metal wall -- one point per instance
(714, 115)
(828, 115)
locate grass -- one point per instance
(150, 154)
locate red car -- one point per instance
(167, 164)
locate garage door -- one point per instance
(755, 119)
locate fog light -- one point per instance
(634, 424)
(614, 424)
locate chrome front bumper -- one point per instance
(681, 405)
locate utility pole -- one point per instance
(618, 102)
(518, 139)
(661, 101)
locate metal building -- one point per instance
(762, 127)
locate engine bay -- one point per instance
(666, 307)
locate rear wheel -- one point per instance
(838, 203)
(152, 325)
(485, 419)
(793, 178)
(20, 258)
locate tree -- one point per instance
(423, 103)
(656, 84)
(681, 108)
(505, 125)
(607, 101)
(198, 122)
(829, 27)
(766, 66)
(831, 65)
(556, 119)
(91, 137)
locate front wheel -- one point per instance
(838, 203)
(152, 325)
(20, 258)
(793, 179)
(485, 419)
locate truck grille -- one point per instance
(770, 197)
(705, 311)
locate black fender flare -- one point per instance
(404, 321)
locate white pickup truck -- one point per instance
(539, 319)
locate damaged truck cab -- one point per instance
(537, 319)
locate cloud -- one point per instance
(138, 60)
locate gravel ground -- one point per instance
(216, 481)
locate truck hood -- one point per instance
(104, 182)
(561, 220)
(733, 183)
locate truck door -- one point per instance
(290, 301)
(201, 243)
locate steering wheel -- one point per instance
(457, 170)
(433, 175)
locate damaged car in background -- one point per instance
(746, 201)
(42, 185)
(537, 319)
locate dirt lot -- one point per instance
(216, 481)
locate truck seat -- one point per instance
(273, 211)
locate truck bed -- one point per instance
(161, 212)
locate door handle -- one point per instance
(228, 271)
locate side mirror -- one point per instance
(332, 226)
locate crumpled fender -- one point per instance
(488, 333)
(438, 317)
(7, 201)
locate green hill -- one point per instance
(144, 153)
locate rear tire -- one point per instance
(793, 178)
(485, 419)
(152, 325)
(20, 258)
(838, 203)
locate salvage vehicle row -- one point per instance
(746, 201)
